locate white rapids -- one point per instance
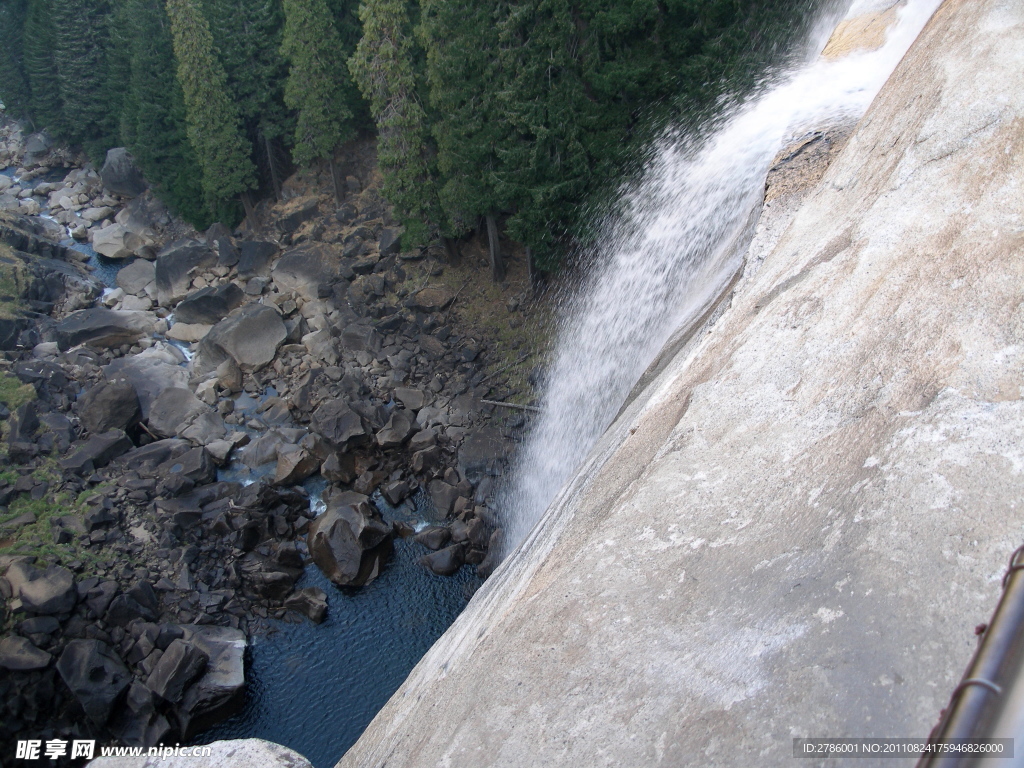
(681, 238)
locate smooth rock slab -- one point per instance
(795, 526)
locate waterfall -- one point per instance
(679, 238)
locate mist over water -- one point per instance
(680, 237)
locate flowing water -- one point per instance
(315, 688)
(683, 236)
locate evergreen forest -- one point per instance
(521, 115)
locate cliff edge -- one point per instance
(795, 528)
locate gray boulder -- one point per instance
(227, 253)
(100, 327)
(109, 405)
(357, 337)
(208, 305)
(124, 609)
(121, 175)
(493, 558)
(321, 346)
(138, 724)
(446, 561)
(219, 692)
(294, 464)
(413, 399)
(252, 753)
(255, 258)
(339, 468)
(249, 335)
(175, 267)
(443, 495)
(205, 429)
(398, 429)
(10, 331)
(110, 242)
(349, 542)
(144, 217)
(311, 602)
(22, 425)
(37, 146)
(180, 666)
(150, 372)
(97, 451)
(267, 446)
(173, 410)
(338, 424)
(134, 278)
(95, 675)
(434, 537)
(305, 269)
(195, 464)
(297, 213)
(396, 492)
(47, 592)
(390, 241)
(17, 654)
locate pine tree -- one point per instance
(89, 108)
(465, 77)
(545, 167)
(153, 115)
(38, 44)
(248, 37)
(316, 80)
(345, 14)
(14, 90)
(383, 67)
(212, 118)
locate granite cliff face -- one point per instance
(794, 527)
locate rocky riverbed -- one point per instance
(183, 442)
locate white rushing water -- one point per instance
(681, 239)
